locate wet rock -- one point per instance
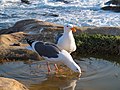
(114, 2)
(112, 8)
(11, 84)
(25, 1)
(51, 14)
(64, 1)
(112, 5)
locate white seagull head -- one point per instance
(68, 61)
(78, 69)
(69, 27)
(73, 66)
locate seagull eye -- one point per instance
(77, 69)
(67, 26)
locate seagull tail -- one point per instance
(29, 41)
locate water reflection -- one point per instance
(56, 82)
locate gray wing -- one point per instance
(57, 37)
(47, 50)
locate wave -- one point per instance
(78, 12)
(9, 1)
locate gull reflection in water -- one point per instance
(57, 82)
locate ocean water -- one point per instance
(77, 12)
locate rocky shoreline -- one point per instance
(12, 43)
(9, 38)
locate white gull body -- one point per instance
(67, 41)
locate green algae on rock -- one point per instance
(98, 44)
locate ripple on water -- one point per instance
(96, 74)
(96, 68)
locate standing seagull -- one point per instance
(51, 53)
(66, 40)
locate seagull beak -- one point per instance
(73, 29)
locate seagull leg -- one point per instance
(56, 67)
(48, 67)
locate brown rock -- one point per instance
(31, 25)
(10, 48)
(103, 30)
(11, 84)
(38, 30)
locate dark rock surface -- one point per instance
(112, 5)
(25, 1)
(112, 8)
(114, 2)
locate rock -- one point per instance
(112, 8)
(30, 28)
(51, 14)
(112, 5)
(64, 1)
(11, 84)
(97, 43)
(25, 1)
(12, 47)
(38, 30)
(102, 30)
(108, 3)
(114, 2)
(31, 25)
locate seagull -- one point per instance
(66, 40)
(53, 54)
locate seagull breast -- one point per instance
(67, 42)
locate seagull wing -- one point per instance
(46, 49)
(58, 37)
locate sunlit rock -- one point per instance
(11, 84)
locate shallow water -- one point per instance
(97, 74)
(78, 12)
